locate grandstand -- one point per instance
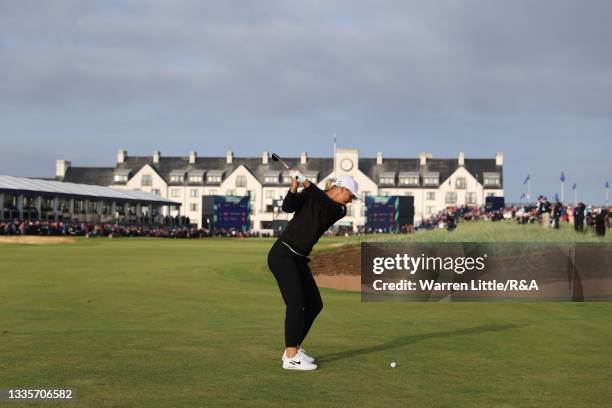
(23, 198)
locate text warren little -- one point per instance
(475, 285)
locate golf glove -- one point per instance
(297, 175)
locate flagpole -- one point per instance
(562, 195)
(529, 190)
(334, 172)
(575, 196)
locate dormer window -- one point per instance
(214, 176)
(388, 178)
(271, 177)
(431, 179)
(122, 175)
(195, 176)
(409, 178)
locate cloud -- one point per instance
(290, 57)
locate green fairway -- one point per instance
(191, 323)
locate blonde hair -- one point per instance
(329, 183)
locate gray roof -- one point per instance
(445, 167)
(320, 165)
(101, 176)
(25, 184)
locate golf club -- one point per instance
(276, 158)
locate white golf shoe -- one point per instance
(297, 362)
(301, 351)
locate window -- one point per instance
(195, 179)
(490, 194)
(286, 180)
(272, 179)
(229, 192)
(212, 192)
(408, 193)
(213, 179)
(119, 177)
(176, 178)
(349, 210)
(193, 207)
(269, 193)
(430, 210)
(460, 182)
(386, 193)
(412, 180)
(491, 179)
(430, 181)
(470, 198)
(451, 197)
(146, 180)
(240, 181)
(193, 192)
(156, 191)
(387, 180)
(175, 193)
(431, 195)
(251, 194)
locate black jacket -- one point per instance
(315, 212)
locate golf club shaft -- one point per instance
(276, 157)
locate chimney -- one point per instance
(229, 157)
(423, 158)
(303, 158)
(264, 157)
(156, 155)
(121, 155)
(379, 158)
(499, 159)
(60, 168)
(192, 156)
(461, 161)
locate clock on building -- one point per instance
(346, 164)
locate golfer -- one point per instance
(315, 211)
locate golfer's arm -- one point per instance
(294, 200)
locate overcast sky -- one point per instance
(533, 79)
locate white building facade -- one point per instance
(435, 184)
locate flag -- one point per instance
(607, 184)
(527, 179)
(574, 186)
(522, 196)
(556, 197)
(562, 178)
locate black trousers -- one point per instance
(299, 290)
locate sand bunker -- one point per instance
(339, 268)
(35, 240)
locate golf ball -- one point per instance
(393, 365)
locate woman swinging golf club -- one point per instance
(315, 211)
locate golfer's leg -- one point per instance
(313, 304)
(287, 275)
